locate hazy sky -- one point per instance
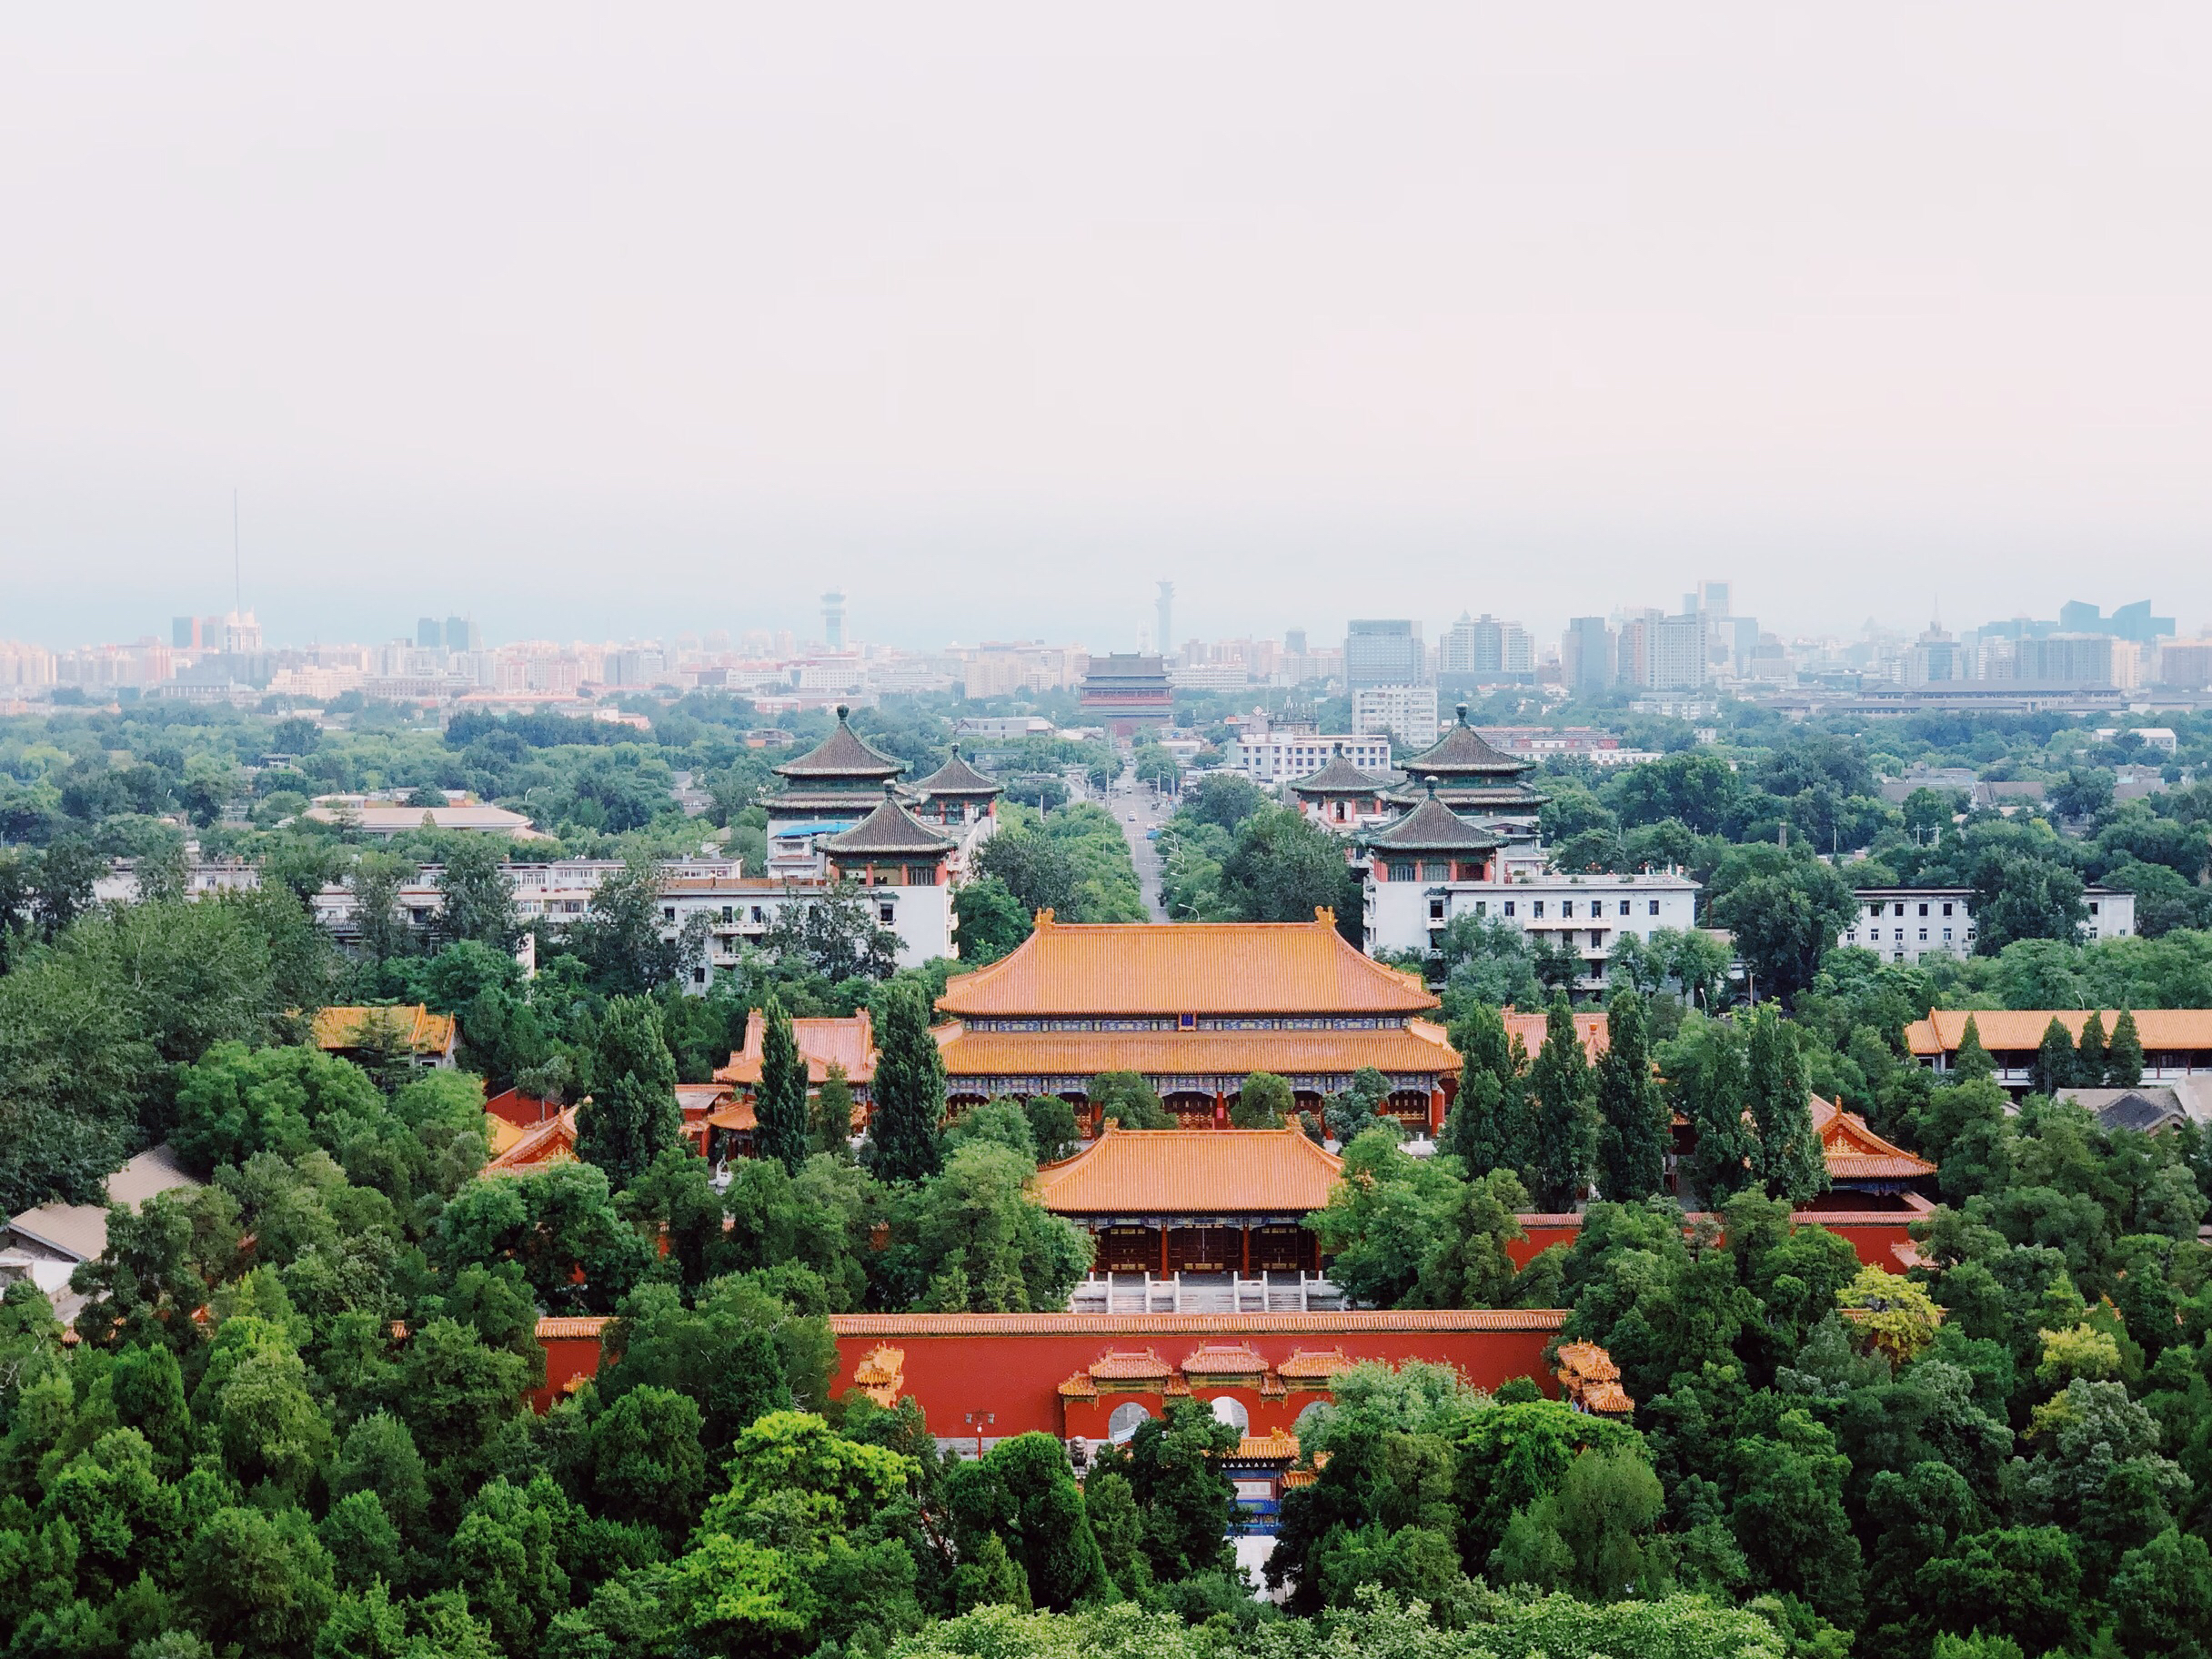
(620, 319)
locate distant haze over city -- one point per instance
(996, 318)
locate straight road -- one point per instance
(1136, 810)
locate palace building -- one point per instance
(1194, 1009)
(1165, 1201)
(1341, 797)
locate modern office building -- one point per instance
(1384, 652)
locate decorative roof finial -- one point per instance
(1462, 714)
(845, 709)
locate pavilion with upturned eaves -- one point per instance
(1471, 778)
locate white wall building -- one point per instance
(1903, 924)
(1407, 713)
(1284, 753)
(1408, 902)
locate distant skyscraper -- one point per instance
(1294, 641)
(462, 634)
(1165, 604)
(428, 635)
(184, 632)
(834, 618)
(1455, 650)
(1384, 652)
(1586, 655)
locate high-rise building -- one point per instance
(1935, 658)
(1294, 641)
(1165, 606)
(1455, 650)
(1664, 653)
(1380, 652)
(1586, 655)
(834, 618)
(1407, 713)
(462, 634)
(184, 632)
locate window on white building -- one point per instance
(1536, 909)
(1655, 907)
(1624, 904)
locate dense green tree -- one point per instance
(1173, 1465)
(1972, 1060)
(1285, 868)
(2089, 1053)
(558, 1221)
(1707, 1070)
(2124, 1057)
(1563, 1141)
(779, 1103)
(1265, 1102)
(1023, 1492)
(632, 1111)
(1786, 1157)
(2053, 1067)
(1487, 1128)
(1051, 1127)
(909, 1088)
(477, 897)
(990, 921)
(1786, 909)
(1635, 1126)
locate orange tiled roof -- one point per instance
(582, 1325)
(1349, 1322)
(733, 1114)
(1418, 1046)
(1187, 1171)
(1589, 1027)
(550, 1142)
(1261, 1448)
(1078, 1387)
(850, 1043)
(1589, 1361)
(2019, 1029)
(1147, 1366)
(1303, 1365)
(1192, 968)
(1224, 1360)
(502, 1133)
(1855, 1152)
(415, 1028)
(1608, 1399)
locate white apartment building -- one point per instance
(1408, 902)
(1285, 752)
(1903, 924)
(1406, 712)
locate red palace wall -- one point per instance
(998, 1374)
(1880, 1238)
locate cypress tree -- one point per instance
(1633, 1122)
(1972, 1060)
(831, 1118)
(2124, 1058)
(1786, 1159)
(632, 1113)
(2054, 1067)
(909, 1088)
(1563, 1142)
(1487, 1125)
(2089, 1053)
(1712, 1088)
(780, 1104)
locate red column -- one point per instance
(1436, 1109)
(1221, 1110)
(1164, 1246)
(1247, 1237)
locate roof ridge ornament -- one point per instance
(1462, 714)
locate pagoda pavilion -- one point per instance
(1341, 797)
(1194, 1009)
(834, 785)
(956, 793)
(1432, 843)
(1472, 778)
